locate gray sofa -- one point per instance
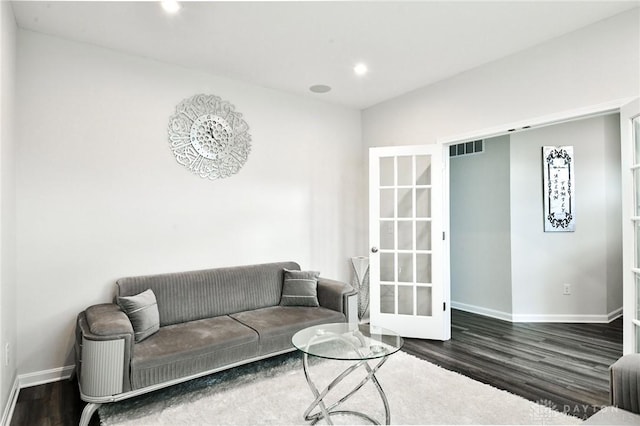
(624, 394)
(209, 320)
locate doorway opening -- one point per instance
(503, 263)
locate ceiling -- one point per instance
(291, 45)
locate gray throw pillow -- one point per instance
(142, 310)
(300, 288)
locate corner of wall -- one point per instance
(613, 176)
(9, 407)
(8, 287)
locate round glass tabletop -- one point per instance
(345, 341)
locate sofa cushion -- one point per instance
(189, 348)
(276, 325)
(142, 310)
(300, 288)
(188, 296)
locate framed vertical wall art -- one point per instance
(559, 189)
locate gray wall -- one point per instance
(480, 228)
(613, 176)
(589, 258)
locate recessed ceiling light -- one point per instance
(319, 88)
(170, 6)
(360, 69)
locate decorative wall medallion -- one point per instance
(209, 137)
(559, 189)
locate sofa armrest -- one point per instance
(625, 383)
(335, 295)
(108, 319)
(104, 329)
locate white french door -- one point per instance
(630, 150)
(405, 231)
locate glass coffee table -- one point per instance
(357, 343)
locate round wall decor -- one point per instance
(209, 137)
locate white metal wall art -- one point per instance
(559, 189)
(209, 137)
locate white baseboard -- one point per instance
(506, 316)
(45, 376)
(32, 379)
(615, 314)
(561, 318)
(7, 413)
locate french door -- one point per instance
(407, 293)
(630, 149)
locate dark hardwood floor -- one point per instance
(563, 364)
(52, 404)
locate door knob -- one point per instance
(374, 249)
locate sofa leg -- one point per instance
(87, 413)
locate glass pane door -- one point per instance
(405, 235)
(630, 150)
(406, 292)
(635, 169)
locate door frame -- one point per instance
(629, 292)
(605, 108)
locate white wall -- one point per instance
(100, 195)
(542, 262)
(8, 309)
(588, 67)
(481, 229)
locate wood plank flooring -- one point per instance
(565, 364)
(51, 404)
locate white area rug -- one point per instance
(275, 392)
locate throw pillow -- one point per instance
(142, 310)
(300, 288)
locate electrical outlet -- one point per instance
(567, 289)
(7, 353)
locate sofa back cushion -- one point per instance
(189, 296)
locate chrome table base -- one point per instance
(326, 412)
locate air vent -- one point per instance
(466, 148)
